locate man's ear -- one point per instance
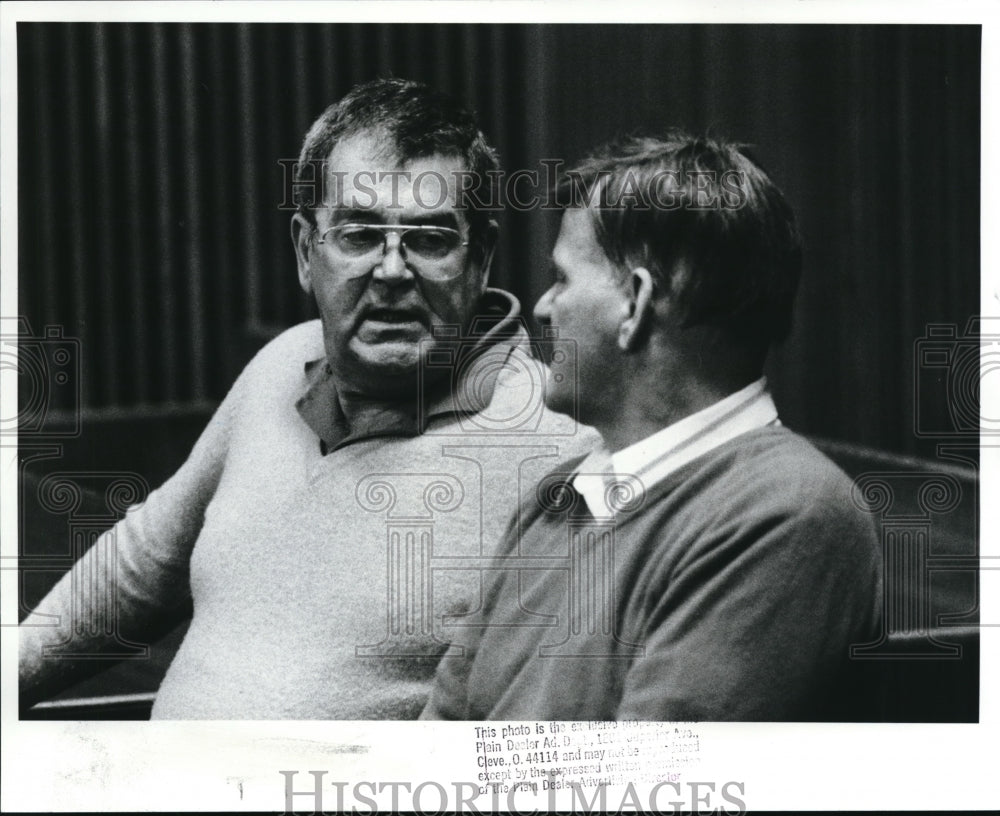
(302, 233)
(489, 248)
(635, 327)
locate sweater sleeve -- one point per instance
(755, 620)
(145, 558)
(449, 696)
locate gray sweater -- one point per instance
(732, 590)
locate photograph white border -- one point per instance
(173, 766)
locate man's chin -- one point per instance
(399, 358)
(558, 401)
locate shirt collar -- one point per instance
(652, 459)
(476, 362)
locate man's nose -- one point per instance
(392, 268)
(543, 309)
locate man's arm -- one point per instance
(144, 560)
(756, 623)
(447, 699)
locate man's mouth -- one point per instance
(383, 324)
(393, 316)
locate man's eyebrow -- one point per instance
(447, 218)
(362, 215)
(342, 215)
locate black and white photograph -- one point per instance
(468, 407)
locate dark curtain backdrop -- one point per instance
(150, 224)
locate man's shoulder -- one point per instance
(774, 473)
(769, 496)
(290, 351)
(777, 455)
(276, 374)
(302, 342)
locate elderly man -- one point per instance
(706, 563)
(362, 466)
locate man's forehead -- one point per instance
(366, 173)
(577, 238)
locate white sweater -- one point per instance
(298, 564)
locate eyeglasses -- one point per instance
(423, 242)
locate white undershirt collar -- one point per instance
(652, 459)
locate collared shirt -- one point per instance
(464, 383)
(652, 459)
